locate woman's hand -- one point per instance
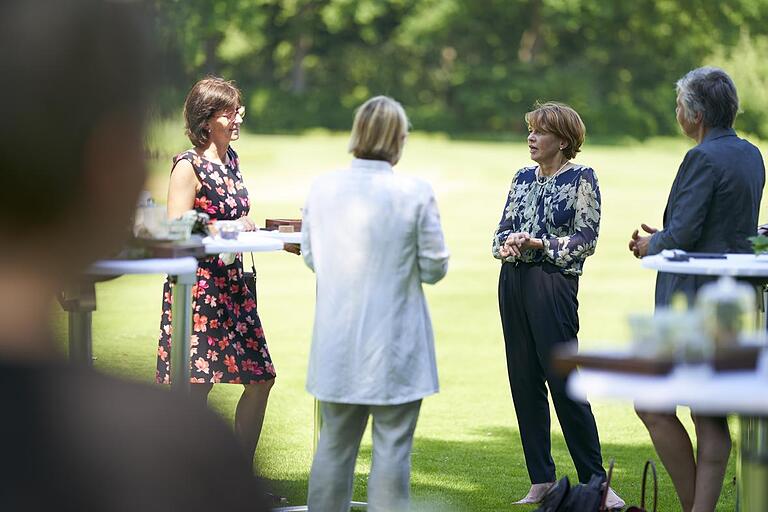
(513, 246)
(516, 243)
(639, 244)
(247, 224)
(532, 243)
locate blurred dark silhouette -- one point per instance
(75, 80)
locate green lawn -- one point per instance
(467, 454)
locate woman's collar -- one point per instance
(371, 165)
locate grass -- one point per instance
(467, 453)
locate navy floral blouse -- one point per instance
(563, 210)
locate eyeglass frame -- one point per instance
(232, 116)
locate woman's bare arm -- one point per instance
(182, 189)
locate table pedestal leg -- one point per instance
(752, 465)
(181, 325)
(80, 337)
(752, 454)
(79, 301)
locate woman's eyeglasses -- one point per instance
(231, 115)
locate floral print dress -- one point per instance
(227, 342)
(563, 210)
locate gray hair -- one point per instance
(709, 91)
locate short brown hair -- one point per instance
(208, 96)
(379, 129)
(560, 120)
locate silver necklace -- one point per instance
(541, 180)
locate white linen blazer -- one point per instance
(372, 237)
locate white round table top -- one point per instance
(253, 241)
(248, 241)
(170, 266)
(743, 265)
(698, 387)
(288, 238)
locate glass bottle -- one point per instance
(728, 311)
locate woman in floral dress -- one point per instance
(227, 342)
(548, 228)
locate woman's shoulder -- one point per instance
(189, 155)
(426, 191)
(579, 171)
(525, 174)
(187, 166)
(408, 185)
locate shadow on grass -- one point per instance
(487, 472)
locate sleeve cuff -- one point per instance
(654, 244)
(549, 247)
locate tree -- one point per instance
(459, 66)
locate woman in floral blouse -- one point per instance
(227, 342)
(549, 226)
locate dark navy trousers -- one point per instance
(539, 310)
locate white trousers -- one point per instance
(333, 468)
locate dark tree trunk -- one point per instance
(210, 46)
(530, 42)
(298, 72)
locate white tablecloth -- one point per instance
(743, 265)
(249, 241)
(170, 266)
(698, 387)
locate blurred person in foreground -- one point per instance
(227, 342)
(712, 207)
(548, 228)
(75, 78)
(372, 237)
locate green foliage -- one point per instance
(746, 64)
(468, 66)
(759, 244)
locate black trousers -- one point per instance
(539, 309)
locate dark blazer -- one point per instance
(712, 207)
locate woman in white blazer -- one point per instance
(372, 237)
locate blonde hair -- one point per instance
(561, 120)
(379, 129)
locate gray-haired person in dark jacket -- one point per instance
(712, 207)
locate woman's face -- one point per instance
(224, 126)
(689, 128)
(543, 146)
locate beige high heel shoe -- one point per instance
(613, 501)
(535, 494)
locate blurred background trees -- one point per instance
(467, 67)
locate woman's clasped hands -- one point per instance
(246, 224)
(515, 244)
